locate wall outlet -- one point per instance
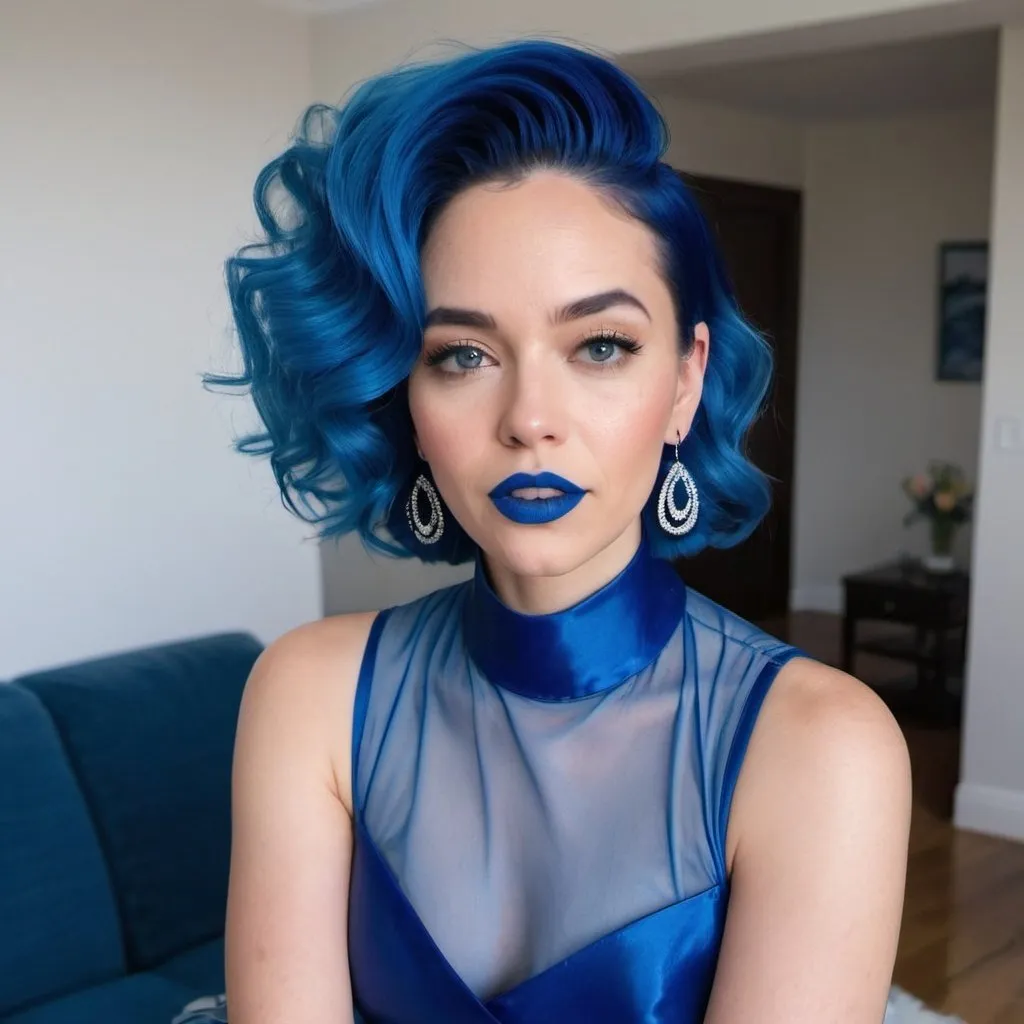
(1009, 434)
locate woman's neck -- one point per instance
(599, 634)
(543, 595)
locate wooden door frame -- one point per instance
(789, 202)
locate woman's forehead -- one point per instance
(550, 237)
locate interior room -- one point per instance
(862, 165)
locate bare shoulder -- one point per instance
(300, 695)
(823, 739)
(311, 654)
(813, 702)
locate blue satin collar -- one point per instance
(598, 643)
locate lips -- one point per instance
(521, 481)
(516, 498)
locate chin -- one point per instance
(536, 551)
(552, 550)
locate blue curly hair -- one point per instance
(329, 305)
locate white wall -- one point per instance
(722, 142)
(879, 198)
(991, 793)
(131, 134)
(355, 43)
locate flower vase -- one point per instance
(941, 557)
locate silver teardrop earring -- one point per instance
(429, 532)
(673, 519)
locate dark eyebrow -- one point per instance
(594, 304)
(451, 316)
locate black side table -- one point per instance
(935, 606)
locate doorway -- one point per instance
(758, 230)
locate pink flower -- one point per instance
(945, 501)
(920, 485)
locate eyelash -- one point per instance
(623, 341)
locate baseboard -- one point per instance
(989, 809)
(822, 597)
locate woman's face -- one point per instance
(551, 346)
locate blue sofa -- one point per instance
(115, 833)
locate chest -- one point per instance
(658, 969)
(523, 832)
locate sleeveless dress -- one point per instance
(541, 803)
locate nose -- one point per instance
(533, 407)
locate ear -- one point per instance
(690, 384)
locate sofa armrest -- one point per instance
(149, 735)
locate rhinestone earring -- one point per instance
(429, 532)
(673, 519)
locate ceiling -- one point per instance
(923, 74)
(817, 80)
(316, 6)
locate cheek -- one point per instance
(627, 433)
(440, 416)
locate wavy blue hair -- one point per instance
(330, 306)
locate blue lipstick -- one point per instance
(536, 510)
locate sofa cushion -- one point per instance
(150, 735)
(60, 928)
(138, 999)
(201, 968)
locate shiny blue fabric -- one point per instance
(542, 803)
(606, 638)
(656, 969)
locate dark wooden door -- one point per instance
(758, 229)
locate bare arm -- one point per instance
(819, 831)
(287, 949)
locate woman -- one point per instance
(491, 324)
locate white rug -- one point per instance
(903, 1008)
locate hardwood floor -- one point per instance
(962, 943)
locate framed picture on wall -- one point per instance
(963, 289)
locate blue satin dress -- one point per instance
(541, 803)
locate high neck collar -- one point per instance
(595, 644)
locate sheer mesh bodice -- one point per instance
(536, 783)
(541, 804)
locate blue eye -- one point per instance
(608, 349)
(601, 350)
(468, 358)
(456, 358)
